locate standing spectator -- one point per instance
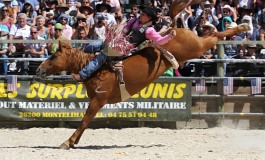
(67, 30)
(20, 30)
(28, 9)
(208, 12)
(43, 32)
(3, 49)
(229, 11)
(5, 18)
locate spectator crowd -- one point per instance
(87, 19)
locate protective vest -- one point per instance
(137, 36)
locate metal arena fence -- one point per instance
(216, 101)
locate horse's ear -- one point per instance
(64, 44)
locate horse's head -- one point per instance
(57, 62)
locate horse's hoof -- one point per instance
(65, 146)
(244, 27)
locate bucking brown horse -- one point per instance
(139, 70)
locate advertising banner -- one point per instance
(166, 99)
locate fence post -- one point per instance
(220, 73)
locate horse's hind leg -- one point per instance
(233, 31)
(92, 110)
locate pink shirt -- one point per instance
(68, 32)
(150, 33)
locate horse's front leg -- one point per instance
(92, 110)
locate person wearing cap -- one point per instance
(88, 12)
(227, 10)
(208, 13)
(138, 30)
(67, 30)
(81, 22)
(252, 33)
(4, 31)
(60, 9)
(103, 10)
(56, 33)
(48, 9)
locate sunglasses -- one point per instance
(64, 19)
(132, 16)
(57, 29)
(33, 32)
(5, 10)
(83, 20)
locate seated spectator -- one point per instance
(247, 69)
(42, 30)
(20, 30)
(252, 33)
(67, 30)
(81, 22)
(88, 12)
(35, 3)
(100, 29)
(35, 50)
(91, 47)
(134, 13)
(4, 31)
(5, 18)
(49, 8)
(57, 33)
(12, 12)
(28, 9)
(103, 10)
(60, 9)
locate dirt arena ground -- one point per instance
(134, 144)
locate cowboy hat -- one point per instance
(98, 6)
(81, 16)
(211, 26)
(62, 6)
(82, 9)
(150, 11)
(207, 3)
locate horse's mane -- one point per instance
(75, 56)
